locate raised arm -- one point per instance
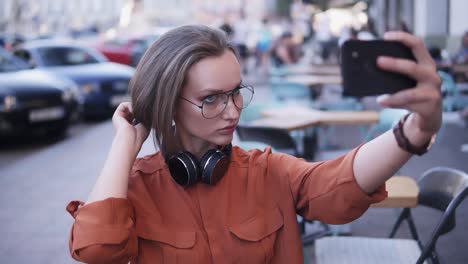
(104, 228)
(380, 158)
(113, 180)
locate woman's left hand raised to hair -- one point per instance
(424, 100)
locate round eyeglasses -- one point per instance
(213, 105)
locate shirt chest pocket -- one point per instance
(159, 244)
(254, 239)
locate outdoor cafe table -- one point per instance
(313, 80)
(296, 118)
(402, 192)
(301, 118)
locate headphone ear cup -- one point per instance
(213, 165)
(184, 168)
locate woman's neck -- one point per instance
(195, 146)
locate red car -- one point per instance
(124, 50)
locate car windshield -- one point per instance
(66, 56)
(8, 63)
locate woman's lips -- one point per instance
(228, 129)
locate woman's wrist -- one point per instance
(410, 137)
(126, 141)
(413, 132)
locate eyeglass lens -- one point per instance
(241, 98)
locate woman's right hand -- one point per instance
(123, 125)
(113, 180)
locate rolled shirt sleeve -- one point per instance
(103, 231)
(326, 191)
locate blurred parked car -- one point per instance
(33, 100)
(9, 40)
(91, 31)
(126, 51)
(103, 84)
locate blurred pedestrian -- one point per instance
(347, 33)
(366, 33)
(325, 39)
(263, 45)
(239, 38)
(403, 27)
(461, 57)
(285, 51)
(227, 28)
(443, 63)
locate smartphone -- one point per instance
(360, 73)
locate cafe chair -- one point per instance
(277, 71)
(340, 104)
(253, 111)
(285, 93)
(291, 92)
(442, 189)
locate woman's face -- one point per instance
(209, 76)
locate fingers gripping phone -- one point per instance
(360, 73)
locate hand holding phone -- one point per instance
(360, 73)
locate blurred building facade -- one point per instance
(440, 22)
(162, 12)
(57, 16)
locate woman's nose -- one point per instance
(231, 111)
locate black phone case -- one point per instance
(361, 75)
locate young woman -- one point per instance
(199, 200)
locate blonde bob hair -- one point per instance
(162, 73)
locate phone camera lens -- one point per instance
(354, 54)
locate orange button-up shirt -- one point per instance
(248, 217)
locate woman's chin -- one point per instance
(223, 140)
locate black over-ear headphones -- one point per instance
(186, 170)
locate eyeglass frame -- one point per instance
(229, 95)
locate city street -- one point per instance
(36, 184)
